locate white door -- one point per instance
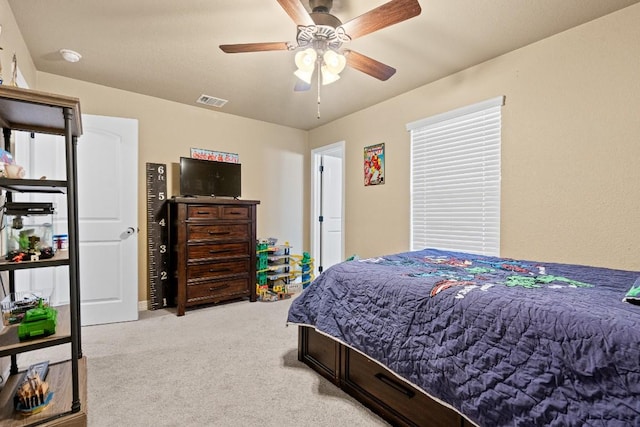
(107, 157)
(108, 218)
(328, 239)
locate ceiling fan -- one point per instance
(320, 36)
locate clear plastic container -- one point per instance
(15, 305)
(28, 231)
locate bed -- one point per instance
(436, 337)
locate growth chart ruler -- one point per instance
(157, 234)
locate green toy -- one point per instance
(305, 263)
(38, 322)
(633, 295)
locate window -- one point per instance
(455, 179)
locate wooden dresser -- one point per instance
(213, 250)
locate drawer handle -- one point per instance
(219, 233)
(219, 270)
(234, 213)
(220, 251)
(217, 288)
(202, 212)
(395, 385)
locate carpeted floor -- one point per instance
(227, 365)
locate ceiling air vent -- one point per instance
(212, 101)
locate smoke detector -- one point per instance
(70, 55)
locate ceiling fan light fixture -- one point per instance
(305, 76)
(328, 76)
(334, 62)
(305, 60)
(320, 36)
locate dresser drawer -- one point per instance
(203, 212)
(217, 290)
(218, 212)
(375, 382)
(212, 270)
(235, 212)
(218, 231)
(201, 251)
(320, 352)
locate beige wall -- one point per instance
(570, 150)
(273, 157)
(12, 42)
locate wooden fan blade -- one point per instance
(254, 47)
(297, 12)
(369, 65)
(383, 16)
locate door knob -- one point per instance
(131, 230)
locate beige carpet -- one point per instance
(227, 365)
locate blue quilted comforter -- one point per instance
(504, 342)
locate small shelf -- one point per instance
(59, 379)
(10, 344)
(40, 112)
(61, 257)
(34, 185)
(33, 111)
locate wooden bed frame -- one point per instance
(368, 382)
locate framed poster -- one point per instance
(218, 156)
(374, 164)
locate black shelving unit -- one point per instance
(39, 112)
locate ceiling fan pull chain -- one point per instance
(318, 73)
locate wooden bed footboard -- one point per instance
(368, 382)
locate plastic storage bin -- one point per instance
(15, 305)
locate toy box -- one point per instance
(15, 305)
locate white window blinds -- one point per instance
(455, 179)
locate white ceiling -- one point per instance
(169, 49)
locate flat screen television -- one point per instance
(209, 178)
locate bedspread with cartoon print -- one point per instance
(505, 342)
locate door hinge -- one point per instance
(320, 218)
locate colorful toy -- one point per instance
(276, 273)
(33, 394)
(5, 157)
(305, 262)
(38, 322)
